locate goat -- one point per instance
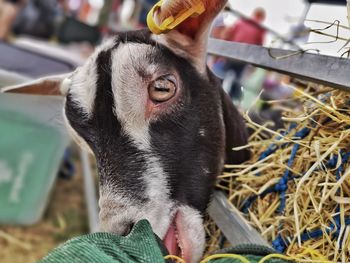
(159, 125)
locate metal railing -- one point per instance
(325, 70)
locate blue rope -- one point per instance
(282, 186)
(273, 147)
(332, 163)
(317, 233)
(248, 203)
(281, 245)
(345, 158)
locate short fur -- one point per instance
(151, 166)
(156, 161)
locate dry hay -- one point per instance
(295, 190)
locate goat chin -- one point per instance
(185, 237)
(180, 228)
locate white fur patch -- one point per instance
(192, 226)
(130, 91)
(83, 81)
(65, 85)
(130, 94)
(118, 212)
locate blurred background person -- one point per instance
(8, 12)
(109, 16)
(38, 18)
(144, 11)
(134, 13)
(246, 31)
(219, 24)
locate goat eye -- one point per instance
(162, 89)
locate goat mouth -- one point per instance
(175, 240)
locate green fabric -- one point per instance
(140, 246)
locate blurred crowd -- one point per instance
(43, 18)
(245, 83)
(8, 13)
(244, 30)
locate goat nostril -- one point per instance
(128, 229)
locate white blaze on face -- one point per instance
(130, 94)
(83, 81)
(130, 91)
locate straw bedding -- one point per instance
(295, 190)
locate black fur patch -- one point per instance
(190, 141)
(120, 164)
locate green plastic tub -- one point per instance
(32, 144)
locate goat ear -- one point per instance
(191, 36)
(54, 86)
(236, 132)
